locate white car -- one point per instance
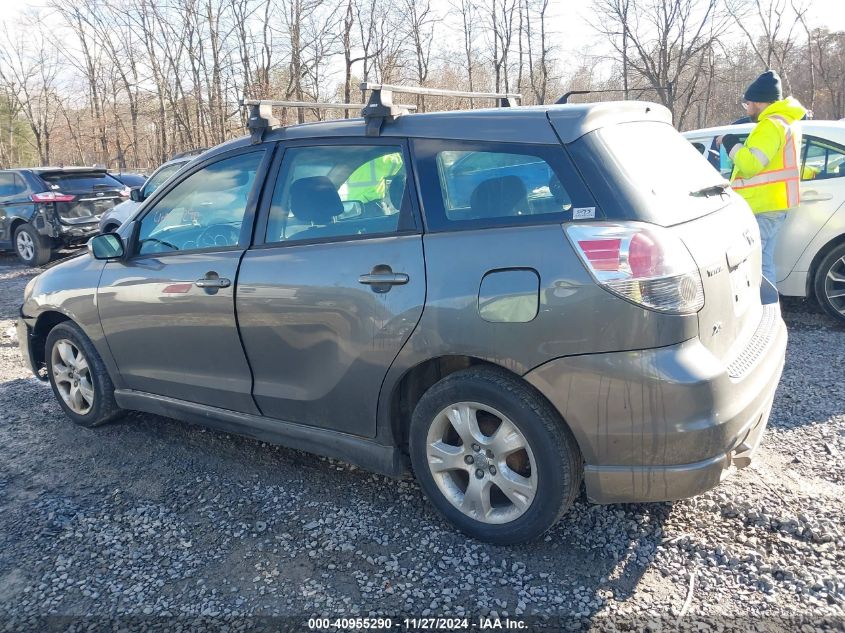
(112, 220)
(810, 251)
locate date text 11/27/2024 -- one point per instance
(416, 624)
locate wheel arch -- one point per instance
(823, 252)
(415, 381)
(44, 323)
(13, 227)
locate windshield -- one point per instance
(652, 171)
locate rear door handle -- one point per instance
(389, 279)
(815, 196)
(211, 280)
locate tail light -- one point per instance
(124, 193)
(642, 263)
(51, 196)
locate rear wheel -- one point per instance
(78, 376)
(830, 283)
(32, 249)
(493, 457)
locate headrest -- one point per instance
(314, 199)
(498, 197)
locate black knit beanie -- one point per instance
(765, 89)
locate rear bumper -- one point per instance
(667, 423)
(78, 233)
(49, 224)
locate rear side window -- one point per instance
(10, 184)
(822, 160)
(479, 185)
(81, 181)
(335, 192)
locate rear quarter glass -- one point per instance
(646, 171)
(447, 199)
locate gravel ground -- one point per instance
(151, 522)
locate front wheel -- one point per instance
(830, 283)
(30, 247)
(78, 377)
(493, 457)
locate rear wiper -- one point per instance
(713, 190)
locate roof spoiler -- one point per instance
(380, 106)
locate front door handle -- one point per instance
(815, 196)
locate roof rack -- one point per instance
(380, 106)
(261, 116)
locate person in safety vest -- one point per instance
(766, 167)
(368, 182)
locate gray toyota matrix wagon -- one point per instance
(506, 302)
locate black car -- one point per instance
(45, 208)
(129, 179)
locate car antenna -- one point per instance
(380, 106)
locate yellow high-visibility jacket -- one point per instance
(766, 167)
(367, 183)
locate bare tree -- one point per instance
(670, 42)
(778, 21)
(28, 70)
(419, 20)
(539, 50)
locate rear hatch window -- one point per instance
(646, 171)
(93, 193)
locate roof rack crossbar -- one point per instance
(261, 116)
(439, 92)
(380, 106)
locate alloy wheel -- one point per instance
(481, 462)
(834, 285)
(25, 245)
(72, 376)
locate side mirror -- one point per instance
(136, 194)
(106, 246)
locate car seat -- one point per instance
(315, 200)
(499, 197)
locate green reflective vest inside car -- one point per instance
(766, 170)
(368, 182)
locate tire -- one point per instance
(538, 462)
(65, 350)
(30, 247)
(829, 281)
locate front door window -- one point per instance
(204, 211)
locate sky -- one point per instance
(569, 22)
(572, 22)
